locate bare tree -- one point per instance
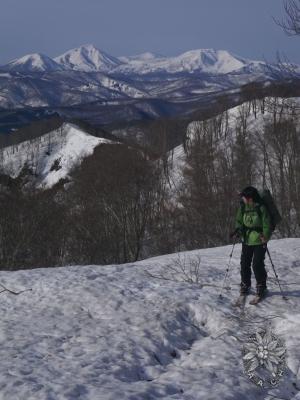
(114, 199)
(244, 165)
(291, 23)
(207, 195)
(32, 227)
(280, 142)
(286, 72)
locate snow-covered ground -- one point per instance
(121, 332)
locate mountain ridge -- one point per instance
(35, 62)
(88, 58)
(147, 86)
(52, 155)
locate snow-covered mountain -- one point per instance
(33, 63)
(87, 58)
(52, 156)
(84, 81)
(205, 61)
(124, 332)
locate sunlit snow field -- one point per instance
(138, 331)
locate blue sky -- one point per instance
(127, 27)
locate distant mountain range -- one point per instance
(90, 84)
(88, 58)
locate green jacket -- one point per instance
(252, 219)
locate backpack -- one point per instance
(266, 199)
(269, 203)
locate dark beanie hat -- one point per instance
(251, 192)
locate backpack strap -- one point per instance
(258, 210)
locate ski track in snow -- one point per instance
(114, 332)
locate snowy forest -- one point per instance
(140, 204)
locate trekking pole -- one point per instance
(227, 270)
(283, 296)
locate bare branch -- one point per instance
(182, 269)
(291, 23)
(5, 289)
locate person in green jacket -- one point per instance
(253, 224)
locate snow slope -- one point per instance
(254, 121)
(51, 156)
(114, 332)
(177, 158)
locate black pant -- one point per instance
(257, 253)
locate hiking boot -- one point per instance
(245, 289)
(261, 290)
